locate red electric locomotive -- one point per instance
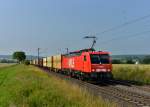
(87, 63)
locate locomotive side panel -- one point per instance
(86, 62)
(76, 63)
(65, 62)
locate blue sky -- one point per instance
(54, 25)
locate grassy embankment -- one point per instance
(27, 86)
(137, 73)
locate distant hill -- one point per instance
(29, 57)
(123, 57)
(5, 57)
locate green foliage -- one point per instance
(130, 61)
(27, 62)
(7, 61)
(4, 61)
(119, 61)
(116, 61)
(27, 86)
(20, 56)
(146, 60)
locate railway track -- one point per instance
(146, 88)
(131, 96)
(128, 84)
(123, 97)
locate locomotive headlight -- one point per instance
(104, 70)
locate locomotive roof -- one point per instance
(100, 52)
(91, 51)
(83, 50)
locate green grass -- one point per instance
(28, 86)
(137, 73)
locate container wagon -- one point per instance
(50, 62)
(45, 62)
(57, 63)
(40, 63)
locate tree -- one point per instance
(146, 60)
(20, 56)
(130, 61)
(27, 62)
(4, 61)
(116, 61)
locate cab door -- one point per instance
(86, 64)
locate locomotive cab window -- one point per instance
(100, 59)
(84, 58)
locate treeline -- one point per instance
(7, 61)
(145, 60)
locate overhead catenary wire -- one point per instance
(127, 36)
(124, 24)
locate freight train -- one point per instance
(85, 64)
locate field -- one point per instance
(5, 64)
(28, 86)
(139, 74)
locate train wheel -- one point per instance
(81, 77)
(72, 74)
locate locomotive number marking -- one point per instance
(71, 63)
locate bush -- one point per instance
(27, 62)
(146, 60)
(116, 61)
(130, 61)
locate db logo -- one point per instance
(71, 63)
